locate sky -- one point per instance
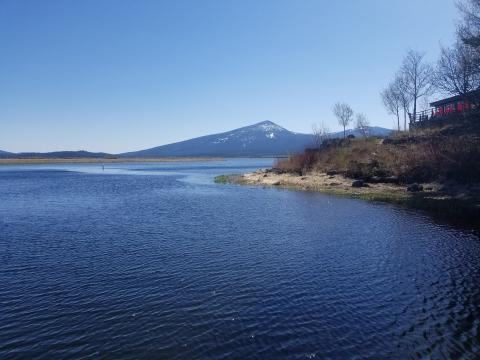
(118, 75)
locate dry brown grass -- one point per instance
(424, 155)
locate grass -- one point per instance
(223, 179)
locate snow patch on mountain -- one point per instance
(269, 126)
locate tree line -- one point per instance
(457, 71)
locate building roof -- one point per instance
(474, 93)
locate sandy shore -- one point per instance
(321, 182)
(100, 160)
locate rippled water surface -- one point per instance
(157, 261)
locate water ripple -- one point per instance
(173, 266)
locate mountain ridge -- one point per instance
(262, 139)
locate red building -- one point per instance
(454, 104)
(448, 106)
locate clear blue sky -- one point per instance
(113, 75)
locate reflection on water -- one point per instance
(166, 264)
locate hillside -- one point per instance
(447, 153)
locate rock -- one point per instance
(384, 179)
(414, 187)
(304, 178)
(276, 171)
(429, 188)
(358, 183)
(391, 179)
(276, 183)
(378, 171)
(332, 172)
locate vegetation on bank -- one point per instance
(223, 179)
(445, 154)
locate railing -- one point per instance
(433, 114)
(422, 115)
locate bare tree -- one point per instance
(392, 102)
(458, 71)
(344, 114)
(363, 125)
(469, 30)
(417, 75)
(320, 132)
(400, 85)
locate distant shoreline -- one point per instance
(32, 161)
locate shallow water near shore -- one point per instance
(156, 261)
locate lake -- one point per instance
(156, 261)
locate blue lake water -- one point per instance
(156, 261)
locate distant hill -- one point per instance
(5, 154)
(263, 139)
(55, 154)
(373, 131)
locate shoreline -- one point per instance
(33, 161)
(456, 204)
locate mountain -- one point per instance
(263, 139)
